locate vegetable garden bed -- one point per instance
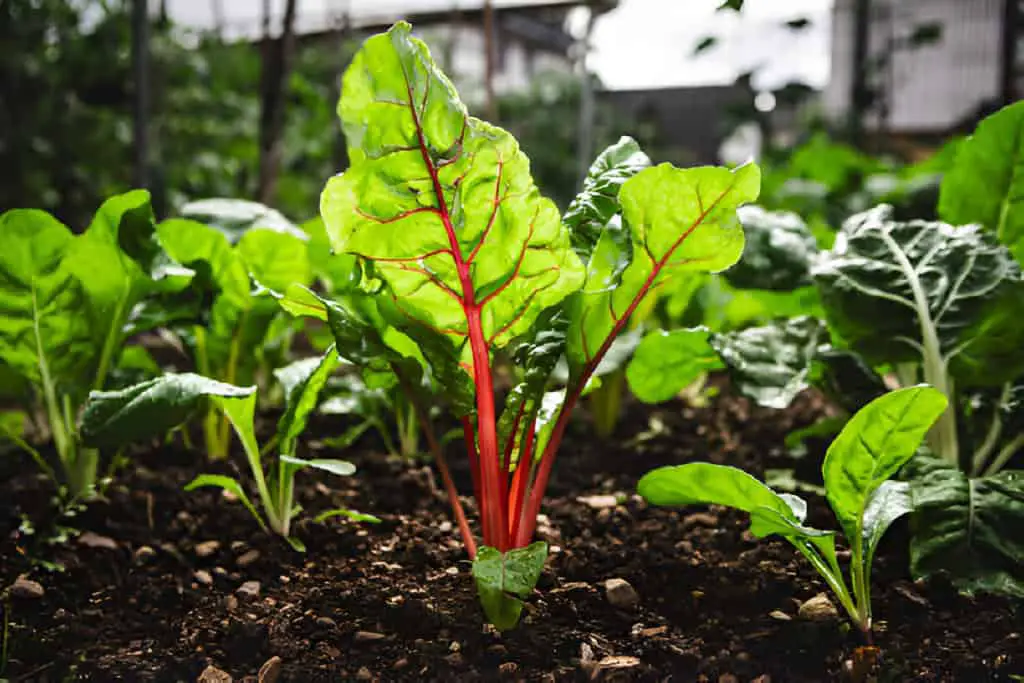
(146, 596)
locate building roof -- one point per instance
(242, 20)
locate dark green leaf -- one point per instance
(597, 202)
(665, 363)
(503, 580)
(986, 183)
(890, 501)
(969, 528)
(705, 44)
(149, 409)
(774, 363)
(873, 446)
(777, 253)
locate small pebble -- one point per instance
(270, 671)
(27, 589)
(247, 558)
(207, 548)
(364, 674)
(621, 594)
(212, 674)
(368, 636)
(203, 577)
(818, 608)
(249, 589)
(326, 622)
(91, 540)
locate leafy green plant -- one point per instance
(69, 304)
(857, 470)
(154, 407)
(461, 262)
(231, 325)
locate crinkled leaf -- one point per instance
(442, 205)
(971, 291)
(303, 382)
(665, 363)
(149, 409)
(774, 363)
(986, 183)
(231, 486)
(597, 202)
(777, 251)
(503, 580)
(969, 528)
(873, 446)
(697, 231)
(702, 483)
(846, 378)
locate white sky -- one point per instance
(641, 44)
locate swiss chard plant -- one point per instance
(858, 471)
(69, 304)
(152, 408)
(462, 263)
(906, 301)
(230, 324)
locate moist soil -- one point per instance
(158, 587)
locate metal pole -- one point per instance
(859, 93)
(140, 72)
(1008, 73)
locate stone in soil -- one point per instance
(27, 589)
(621, 594)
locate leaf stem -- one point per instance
(1005, 453)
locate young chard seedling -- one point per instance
(460, 258)
(872, 447)
(152, 408)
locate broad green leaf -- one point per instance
(275, 259)
(342, 468)
(777, 252)
(240, 410)
(969, 528)
(349, 514)
(303, 382)
(442, 205)
(986, 183)
(873, 446)
(774, 363)
(724, 308)
(149, 409)
(503, 580)
(889, 289)
(697, 231)
(702, 483)
(231, 486)
(665, 363)
(236, 217)
(887, 503)
(597, 202)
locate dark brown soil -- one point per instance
(395, 601)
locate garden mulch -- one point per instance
(165, 584)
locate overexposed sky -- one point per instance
(640, 44)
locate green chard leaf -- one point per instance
(442, 207)
(893, 290)
(303, 382)
(887, 503)
(655, 240)
(986, 183)
(504, 580)
(150, 409)
(235, 218)
(777, 253)
(701, 483)
(872, 448)
(665, 363)
(774, 363)
(597, 203)
(968, 528)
